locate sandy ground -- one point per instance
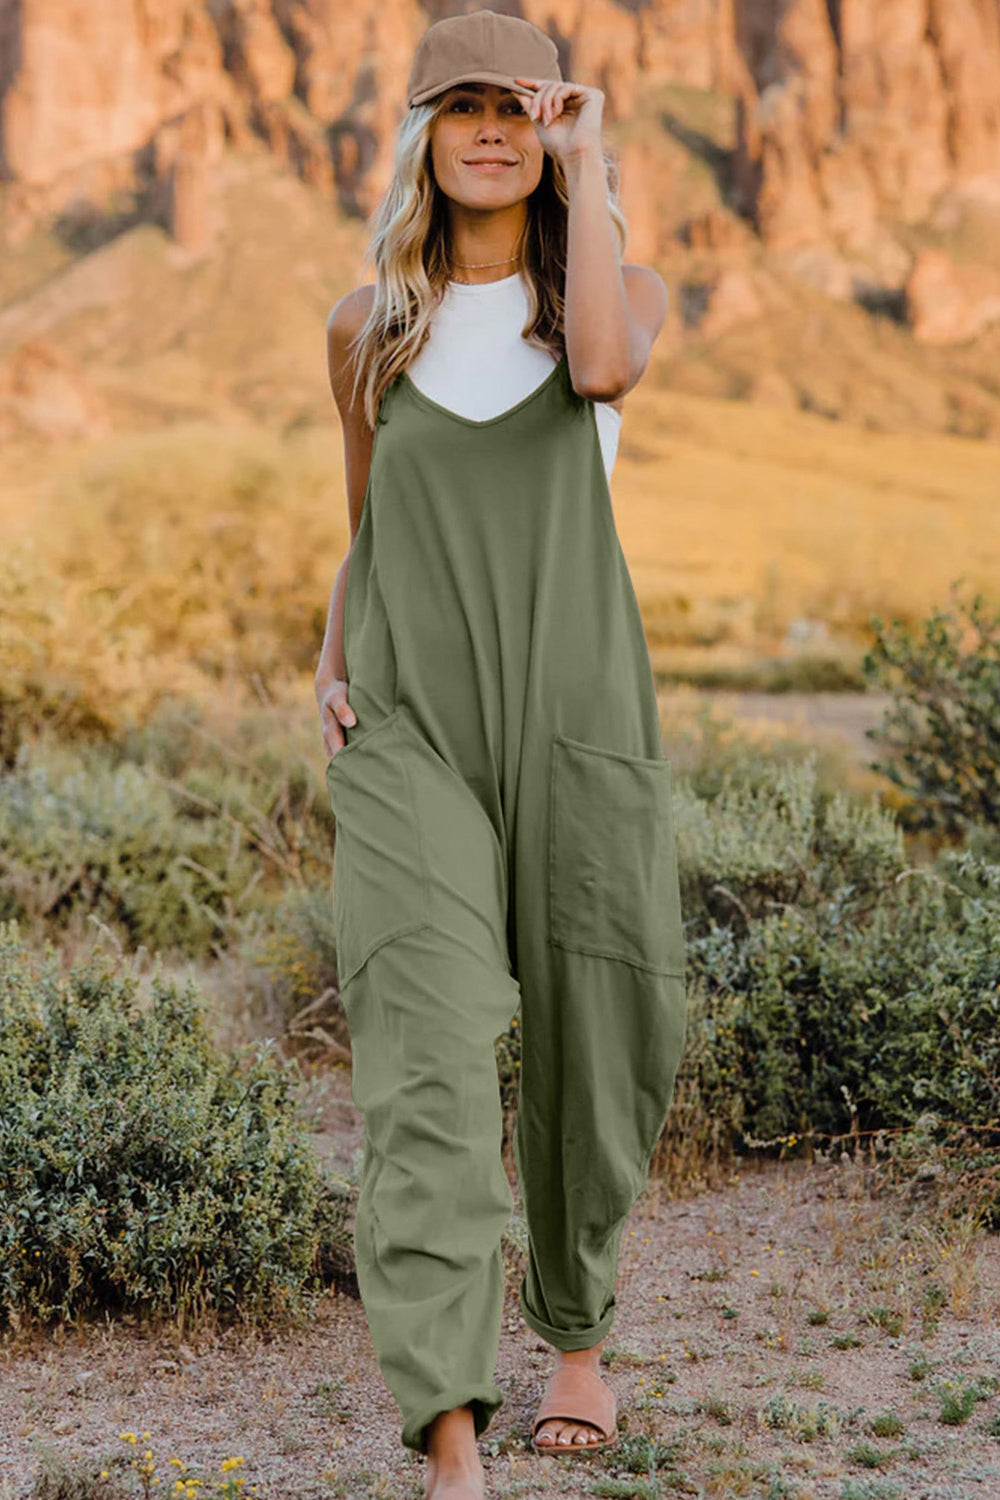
(760, 1329)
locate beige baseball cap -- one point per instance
(481, 46)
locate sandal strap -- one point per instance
(576, 1394)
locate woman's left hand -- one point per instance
(567, 116)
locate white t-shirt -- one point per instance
(476, 364)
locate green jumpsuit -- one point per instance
(504, 834)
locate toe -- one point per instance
(562, 1434)
(585, 1435)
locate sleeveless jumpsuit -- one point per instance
(504, 835)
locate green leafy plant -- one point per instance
(887, 1424)
(957, 1401)
(832, 987)
(888, 1318)
(804, 1423)
(943, 727)
(867, 1456)
(140, 1167)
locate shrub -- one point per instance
(943, 724)
(867, 1456)
(110, 841)
(141, 1168)
(961, 1163)
(957, 1402)
(295, 945)
(803, 1423)
(833, 987)
(175, 858)
(887, 1424)
(830, 986)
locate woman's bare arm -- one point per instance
(613, 313)
(345, 319)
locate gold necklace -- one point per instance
(481, 265)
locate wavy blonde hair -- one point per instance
(409, 249)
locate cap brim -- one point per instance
(505, 80)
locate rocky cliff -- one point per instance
(849, 111)
(851, 145)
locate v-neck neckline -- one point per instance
(502, 416)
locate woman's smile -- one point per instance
(491, 164)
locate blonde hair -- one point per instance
(409, 249)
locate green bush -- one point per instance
(821, 1018)
(765, 833)
(140, 1167)
(943, 727)
(112, 842)
(172, 850)
(830, 985)
(294, 943)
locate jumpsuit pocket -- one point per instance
(614, 889)
(379, 876)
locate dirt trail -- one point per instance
(834, 719)
(722, 1353)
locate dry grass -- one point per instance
(167, 562)
(737, 522)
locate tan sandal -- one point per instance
(575, 1394)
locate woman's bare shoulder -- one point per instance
(344, 322)
(646, 283)
(347, 316)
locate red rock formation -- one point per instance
(732, 299)
(94, 84)
(190, 205)
(716, 230)
(949, 304)
(867, 119)
(851, 114)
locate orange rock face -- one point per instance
(850, 114)
(949, 304)
(865, 110)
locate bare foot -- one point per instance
(454, 1471)
(558, 1430)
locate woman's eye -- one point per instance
(456, 104)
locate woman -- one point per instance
(503, 805)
